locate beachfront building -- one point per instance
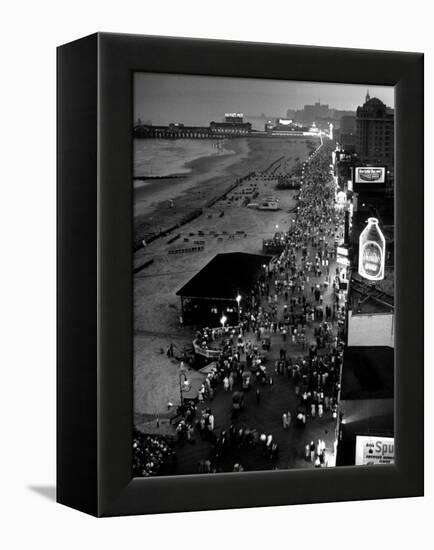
(365, 432)
(210, 297)
(375, 133)
(371, 316)
(366, 419)
(285, 127)
(232, 126)
(347, 133)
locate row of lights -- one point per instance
(223, 318)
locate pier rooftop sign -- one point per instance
(234, 117)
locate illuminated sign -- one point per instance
(342, 275)
(372, 246)
(234, 115)
(342, 256)
(371, 174)
(372, 450)
(284, 121)
(343, 261)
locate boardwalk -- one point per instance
(266, 417)
(308, 262)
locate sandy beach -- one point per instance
(209, 178)
(241, 229)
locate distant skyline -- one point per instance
(197, 100)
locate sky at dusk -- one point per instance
(197, 100)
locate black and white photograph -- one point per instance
(263, 276)
(217, 275)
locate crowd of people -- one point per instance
(152, 455)
(297, 298)
(316, 453)
(233, 441)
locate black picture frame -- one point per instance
(95, 343)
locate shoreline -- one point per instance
(208, 178)
(180, 166)
(198, 166)
(211, 176)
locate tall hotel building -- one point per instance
(375, 133)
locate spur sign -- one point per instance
(372, 450)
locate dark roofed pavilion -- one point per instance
(213, 290)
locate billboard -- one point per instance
(284, 121)
(372, 450)
(372, 248)
(370, 174)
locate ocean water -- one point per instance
(160, 157)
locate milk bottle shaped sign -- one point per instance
(372, 251)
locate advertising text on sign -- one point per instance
(372, 450)
(370, 174)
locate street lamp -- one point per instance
(223, 320)
(184, 385)
(238, 299)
